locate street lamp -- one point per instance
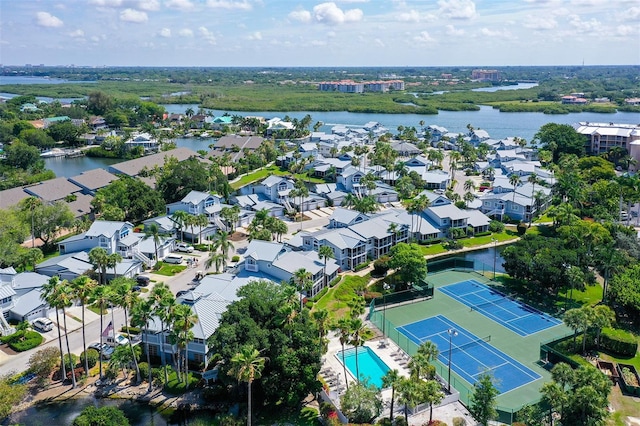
(452, 332)
(495, 254)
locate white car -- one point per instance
(173, 259)
(185, 248)
(118, 340)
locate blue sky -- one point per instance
(316, 33)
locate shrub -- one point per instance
(461, 204)
(235, 258)
(482, 234)
(496, 226)
(618, 341)
(24, 340)
(42, 362)
(361, 266)
(92, 358)
(130, 330)
(522, 228)
(459, 421)
(144, 371)
(381, 266)
(334, 281)
(70, 361)
(370, 295)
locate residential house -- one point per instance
(144, 140)
(53, 190)
(405, 149)
(601, 137)
(501, 200)
(344, 218)
(349, 248)
(92, 180)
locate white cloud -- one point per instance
(410, 16)
(255, 36)
(318, 43)
(300, 15)
(495, 33)
(132, 15)
(540, 23)
(150, 5)
(106, 3)
(207, 35)
(453, 31)
(76, 34)
(179, 4)
(329, 13)
(632, 13)
(165, 32)
(424, 37)
(45, 19)
(227, 4)
(185, 32)
(625, 30)
(458, 9)
(379, 42)
(590, 26)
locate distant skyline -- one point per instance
(315, 33)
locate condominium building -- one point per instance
(601, 137)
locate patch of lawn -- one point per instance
(432, 249)
(169, 269)
(96, 309)
(337, 298)
(591, 296)
(258, 175)
(307, 416)
(487, 239)
(175, 387)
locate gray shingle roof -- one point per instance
(93, 179)
(54, 189)
(11, 197)
(133, 167)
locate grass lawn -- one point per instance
(96, 309)
(337, 298)
(258, 175)
(169, 269)
(175, 387)
(307, 416)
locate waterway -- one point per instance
(139, 414)
(498, 124)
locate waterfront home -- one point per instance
(92, 180)
(437, 132)
(601, 137)
(148, 162)
(144, 140)
(53, 190)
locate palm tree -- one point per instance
(391, 379)
(183, 321)
(82, 288)
(603, 317)
(325, 252)
(222, 241)
(201, 221)
(349, 200)
(321, 317)
(410, 394)
(302, 279)
(49, 295)
(31, 203)
(216, 259)
(112, 262)
(609, 261)
(514, 180)
(125, 298)
(163, 303)
(180, 218)
(575, 319)
(247, 366)
(153, 231)
(469, 185)
(454, 159)
(141, 314)
(99, 258)
(532, 179)
(432, 394)
(343, 327)
(357, 339)
(101, 296)
(62, 299)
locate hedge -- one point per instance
(335, 281)
(483, 234)
(31, 340)
(618, 341)
(361, 266)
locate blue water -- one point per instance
(370, 365)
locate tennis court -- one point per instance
(516, 316)
(470, 356)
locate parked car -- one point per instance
(43, 324)
(136, 289)
(172, 258)
(117, 340)
(184, 248)
(182, 293)
(143, 280)
(107, 350)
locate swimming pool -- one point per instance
(370, 365)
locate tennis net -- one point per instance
(465, 346)
(496, 302)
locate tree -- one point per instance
(30, 204)
(131, 195)
(294, 360)
(101, 296)
(49, 218)
(602, 316)
(222, 242)
(410, 263)
(578, 320)
(302, 279)
(433, 395)
(358, 329)
(560, 139)
(99, 258)
(247, 366)
(343, 327)
(50, 295)
(42, 362)
(392, 379)
(153, 231)
(103, 416)
(325, 252)
(361, 403)
(180, 218)
(410, 395)
(82, 288)
(514, 180)
(99, 103)
(163, 305)
(625, 290)
(61, 298)
(125, 298)
(183, 320)
(483, 400)
(141, 314)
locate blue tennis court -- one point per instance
(516, 316)
(470, 356)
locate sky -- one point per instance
(315, 33)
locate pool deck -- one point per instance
(332, 372)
